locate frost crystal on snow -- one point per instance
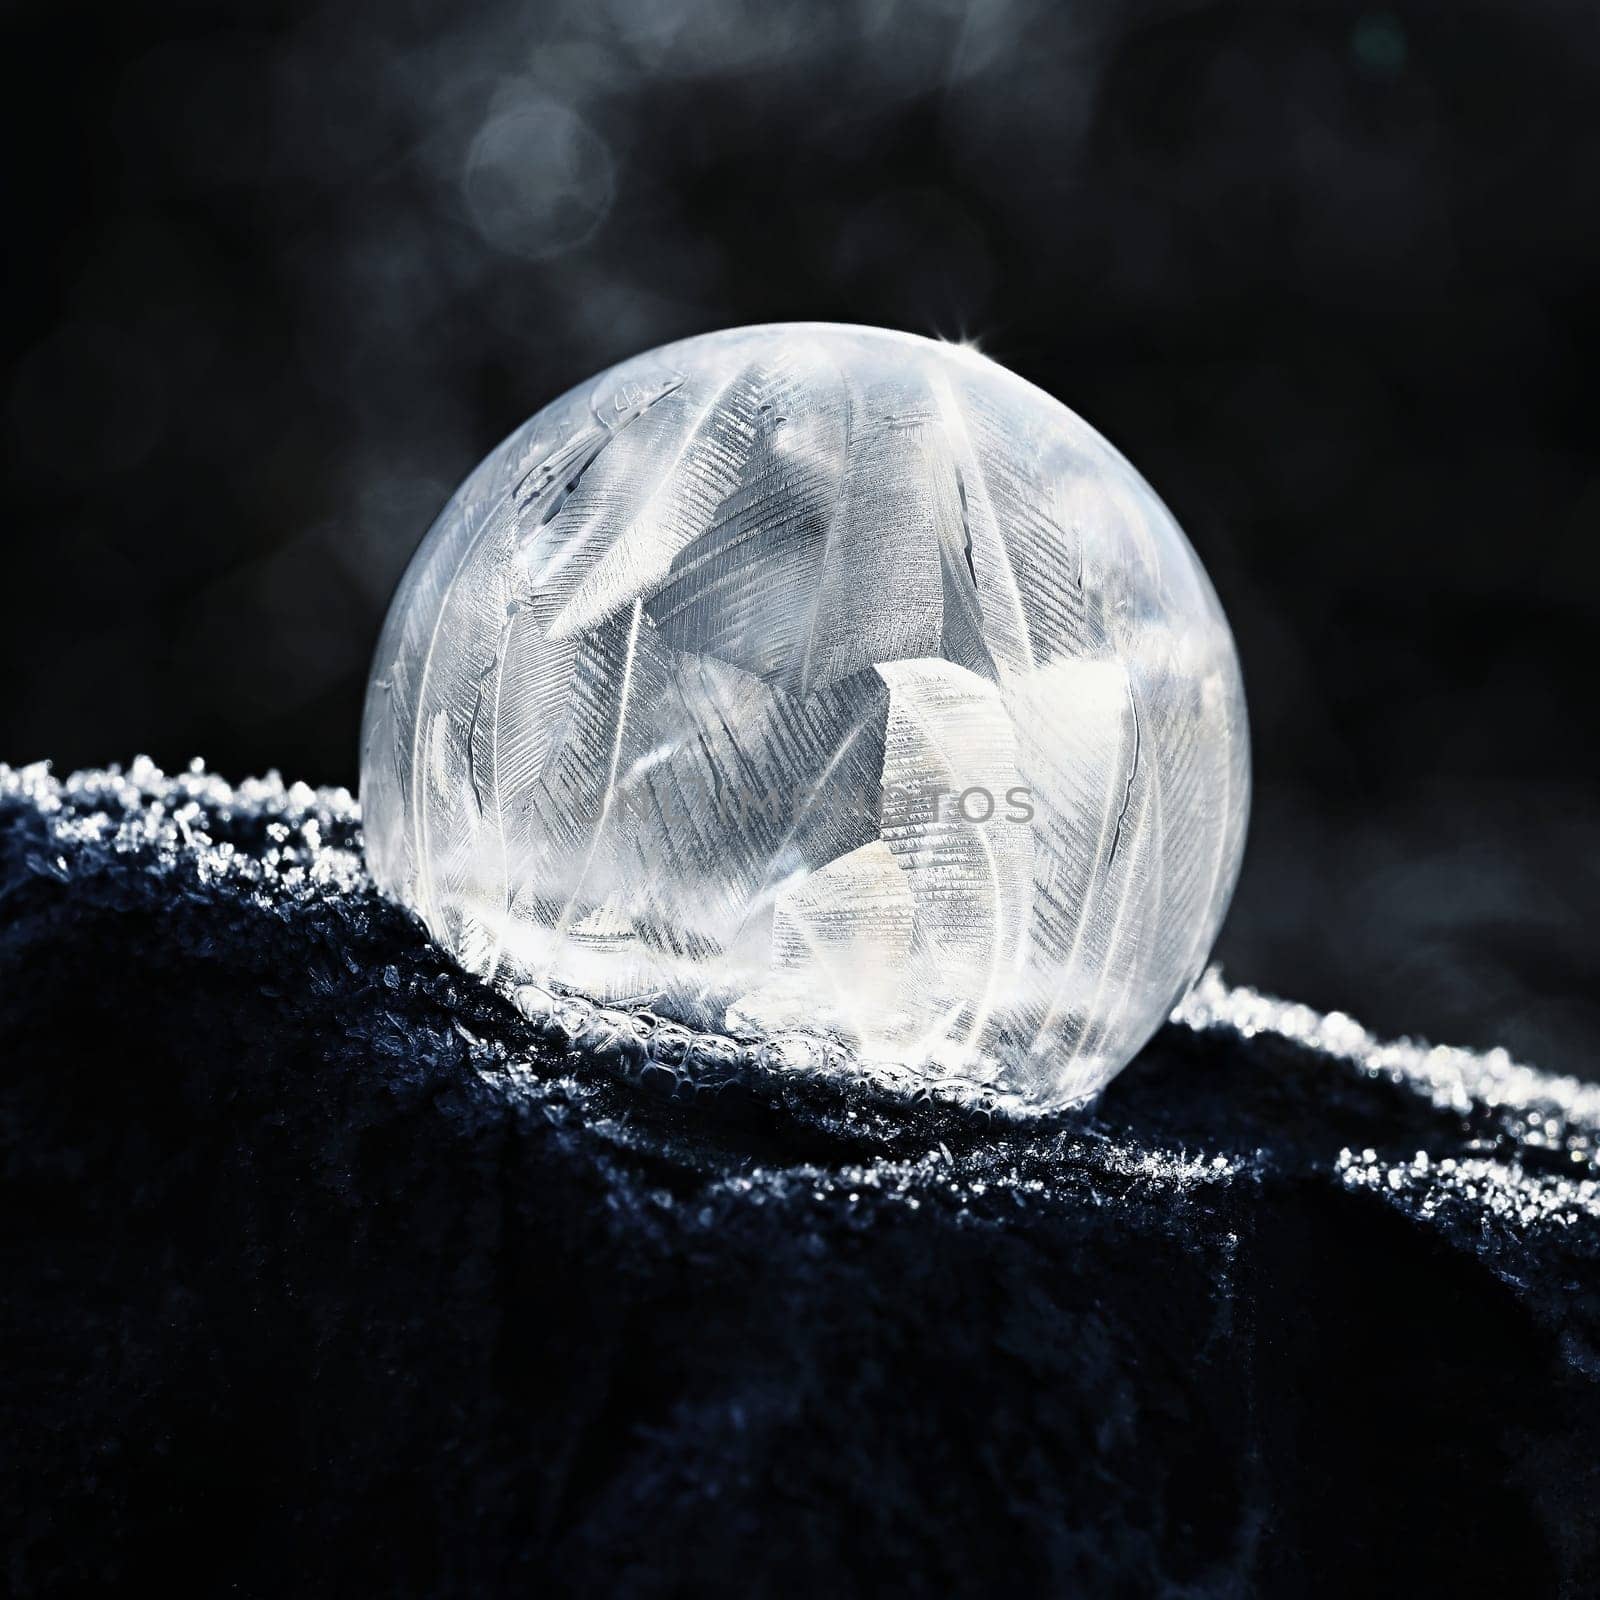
(818, 683)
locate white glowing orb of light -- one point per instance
(822, 680)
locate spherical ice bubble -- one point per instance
(810, 679)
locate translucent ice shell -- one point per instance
(822, 679)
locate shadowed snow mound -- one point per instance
(327, 1268)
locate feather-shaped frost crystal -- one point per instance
(809, 679)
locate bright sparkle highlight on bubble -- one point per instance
(810, 679)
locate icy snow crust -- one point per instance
(1510, 1152)
(321, 1245)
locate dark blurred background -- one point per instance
(281, 273)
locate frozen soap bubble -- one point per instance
(822, 680)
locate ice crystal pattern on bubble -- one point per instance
(818, 679)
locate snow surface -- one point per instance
(1521, 1146)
